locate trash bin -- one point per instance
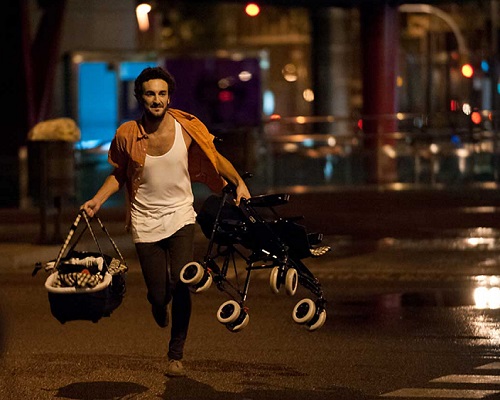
(51, 169)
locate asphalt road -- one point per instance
(401, 316)
(388, 334)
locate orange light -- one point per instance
(252, 9)
(142, 11)
(467, 70)
(476, 117)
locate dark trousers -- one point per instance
(161, 263)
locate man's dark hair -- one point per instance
(153, 73)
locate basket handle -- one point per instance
(87, 221)
(68, 239)
(115, 247)
(88, 226)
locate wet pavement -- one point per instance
(393, 283)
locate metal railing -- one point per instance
(445, 150)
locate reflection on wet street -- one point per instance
(463, 239)
(450, 268)
(487, 292)
(485, 288)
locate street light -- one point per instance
(142, 11)
(427, 9)
(467, 70)
(252, 9)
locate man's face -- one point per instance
(155, 97)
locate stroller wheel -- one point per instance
(240, 322)
(228, 312)
(317, 321)
(204, 284)
(274, 280)
(291, 281)
(192, 273)
(304, 311)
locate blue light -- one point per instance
(268, 102)
(328, 168)
(97, 101)
(485, 66)
(129, 70)
(88, 144)
(93, 145)
(308, 142)
(455, 139)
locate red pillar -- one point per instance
(380, 42)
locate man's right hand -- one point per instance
(91, 207)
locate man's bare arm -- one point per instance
(108, 188)
(227, 170)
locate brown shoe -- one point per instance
(175, 368)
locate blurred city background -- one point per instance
(306, 95)
(380, 119)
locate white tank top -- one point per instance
(164, 200)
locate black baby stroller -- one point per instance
(84, 285)
(262, 241)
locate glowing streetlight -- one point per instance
(252, 9)
(142, 11)
(467, 70)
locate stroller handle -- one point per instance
(231, 187)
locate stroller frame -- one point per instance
(280, 245)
